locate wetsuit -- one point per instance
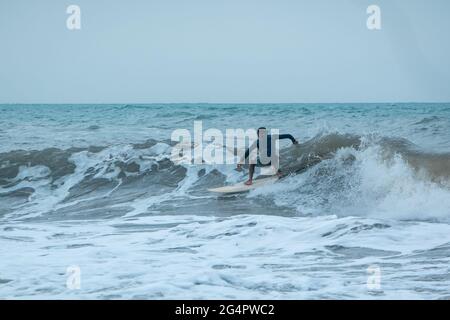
(268, 145)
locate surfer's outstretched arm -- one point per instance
(287, 136)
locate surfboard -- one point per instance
(241, 187)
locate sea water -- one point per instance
(363, 213)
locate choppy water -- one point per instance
(93, 186)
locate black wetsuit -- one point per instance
(269, 146)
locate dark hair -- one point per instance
(261, 128)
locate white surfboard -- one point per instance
(241, 187)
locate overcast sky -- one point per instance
(143, 51)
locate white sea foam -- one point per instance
(237, 257)
(139, 226)
(363, 183)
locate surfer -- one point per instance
(263, 158)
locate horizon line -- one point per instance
(219, 103)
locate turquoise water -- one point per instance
(94, 186)
(37, 126)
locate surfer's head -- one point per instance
(261, 132)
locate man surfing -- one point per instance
(264, 152)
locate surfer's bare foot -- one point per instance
(249, 183)
(279, 174)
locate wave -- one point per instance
(428, 120)
(377, 177)
(330, 174)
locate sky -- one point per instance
(229, 51)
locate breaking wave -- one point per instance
(332, 173)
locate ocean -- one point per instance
(93, 207)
